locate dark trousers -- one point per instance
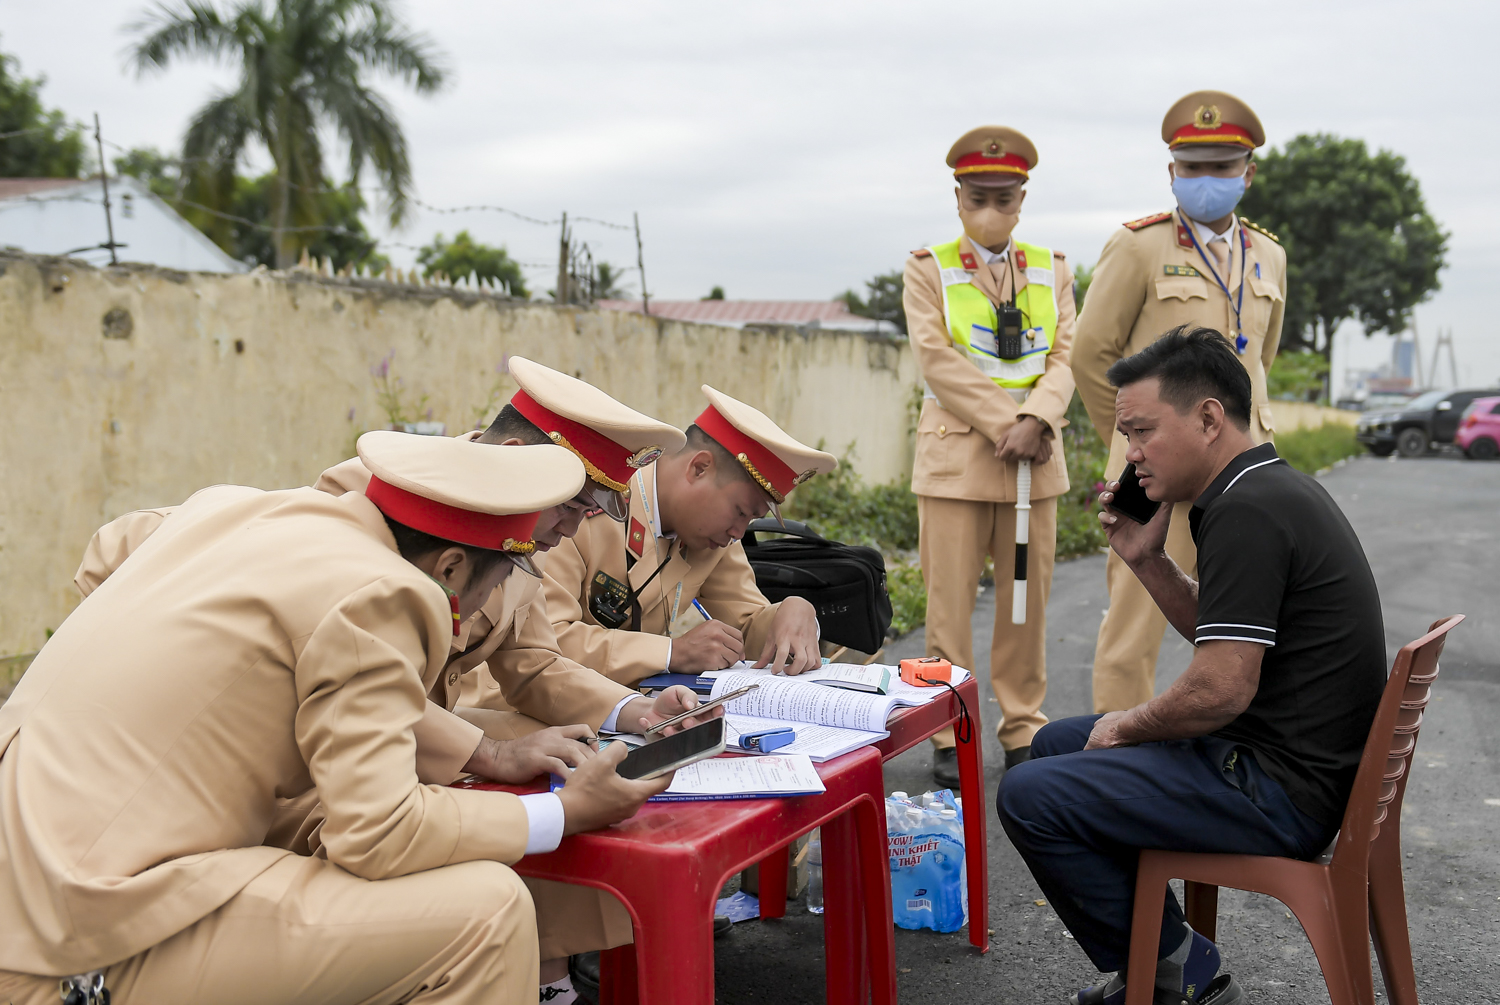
(1080, 817)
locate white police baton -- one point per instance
(1023, 538)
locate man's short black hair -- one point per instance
(413, 544)
(510, 424)
(727, 466)
(1192, 363)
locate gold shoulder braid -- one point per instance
(761, 480)
(593, 472)
(1260, 230)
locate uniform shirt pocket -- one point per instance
(1265, 288)
(941, 443)
(1182, 288)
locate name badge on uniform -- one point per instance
(1181, 270)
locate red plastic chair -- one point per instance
(1338, 898)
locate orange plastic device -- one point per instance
(933, 668)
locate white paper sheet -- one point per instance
(775, 774)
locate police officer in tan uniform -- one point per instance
(621, 595)
(508, 644)
(256, 646)
(1199, 264)
(988, 406)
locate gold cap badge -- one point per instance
(1208, 117)
(994, 148)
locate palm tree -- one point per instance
(303, 66)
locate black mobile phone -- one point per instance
(1131, 500)
(672, 752)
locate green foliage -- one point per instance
(1359, 240)
(1083, 275)
(161, 173)
(1312, 450)
(717, 293)
(842, 507)
(251, 239)
(884, 303)
(465, 256)
(1078, 530)
(303, 67)
(903, 581)
(49, 146)
(1297, 375)
(607, 282)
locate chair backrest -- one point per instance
(1381, 782)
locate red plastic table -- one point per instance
(668, 862)
(909, 728)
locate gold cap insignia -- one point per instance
(1208, 117)
(994, 148)
(644, 456)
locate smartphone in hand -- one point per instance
(1131, 500)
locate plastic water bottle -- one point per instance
(815, 873)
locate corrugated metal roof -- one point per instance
(743, 312)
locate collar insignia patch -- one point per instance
(636, 542)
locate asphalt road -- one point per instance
(1431, 529)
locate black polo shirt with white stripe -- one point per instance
(1279, 565)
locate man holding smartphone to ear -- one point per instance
(1198, 264)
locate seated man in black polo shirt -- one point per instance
(1254, 748)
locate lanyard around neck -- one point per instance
(1235, 303)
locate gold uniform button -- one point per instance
(942, 430)
(453, 679)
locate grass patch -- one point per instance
(1313, 450)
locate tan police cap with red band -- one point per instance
(1211, 125)
(479, 494)
(992, 156)
(776, 461)
(611, 439)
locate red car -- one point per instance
(1478, 433)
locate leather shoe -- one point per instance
(1017, 755)
(945, 767)
(584, 971)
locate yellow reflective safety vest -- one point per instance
(971, 317)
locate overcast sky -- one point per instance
(793, 150)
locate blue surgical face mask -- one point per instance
(1207, 198)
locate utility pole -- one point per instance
(562, 296)
(109, 222)
(640, 264)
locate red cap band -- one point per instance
(593, 447)
(977, 163)
(478, 530)
(1224, 135)
(782, 478)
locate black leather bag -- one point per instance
(845, 583)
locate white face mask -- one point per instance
(988, 226)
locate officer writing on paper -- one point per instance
(619, 593)
(991, 323)
(258, 646)
(1198, 264)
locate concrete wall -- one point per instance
(134, 386)
(1292, 415)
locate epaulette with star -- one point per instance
(1147, 221)
(1260, 230)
